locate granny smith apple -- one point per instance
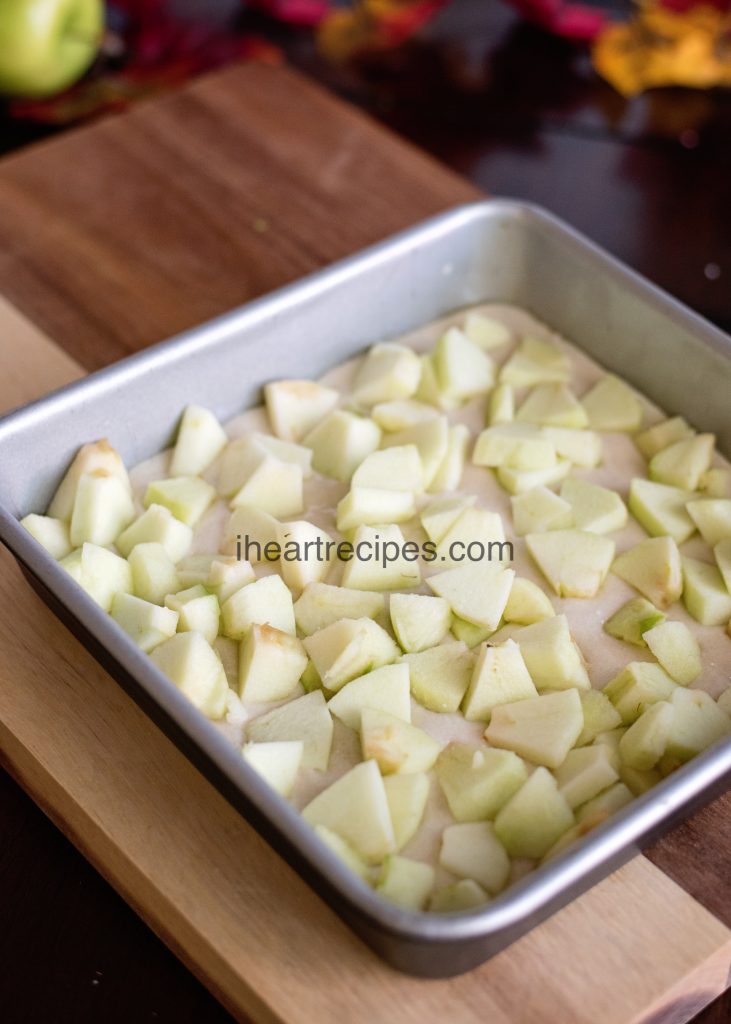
(46, 45)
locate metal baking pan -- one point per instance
(492, 250)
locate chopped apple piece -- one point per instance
(541, 729)
(474, 526)
(395, 744)
(486, 331)
(310, 679)
(100, 572)
(535, 818)
(306, 719)
(345, 852)
(438, 516)
(198, 611)
(306, 556)
(369, 506)
(431, 438)
(266, 600)
(190, 662)
(600, 716)
(440, 676)
(638, 685)
(407, 883)
(277, 762)
(698, 723)
(383, 689)
(584, 774)
(654, 568)
(501, 408)
(604, 805)
(295, 407)
(639, 782)
(429, 390)
(250, 530)
(147, 624)
(99, 455)
(477, 593)
(553, 405)
(287, 451)
(527, 603)
(712, 516)
(272, 486)
(518, 481)
(389, 567)
(227, 575)
(662, 435)
(473, 850)
(469, 633)
(52, 534)
(157, 526)
(716, 483)
(478, 781)
(449, 474)
(200, 439)
(355, 808)
(596, 509)
(661, 509)
(407, 796)
(194, 569)
(463, 369)
(553, 659)
(270, 664)
(535, 361)
(722, 552)
(683, 463)
(321, 604)
(419, 621)
(613, 405)
(388, 371)
(462, 895)
(187, 497)
(349, 648)
(153, 573)
(581, 447)
(611, 741)
(633, 619)
(539, 510)
(705, 594)
(514, 445)
(401, 414)
(574, 562)
(676, 649)
(500, 676)
(645, 741)
(103, 507)
(394, 469)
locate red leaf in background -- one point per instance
(296, 12)
(572, 21)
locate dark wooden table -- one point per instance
(112, 240)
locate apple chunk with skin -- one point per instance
(419, 621)
(440, 675)
(270, 664)
(553, 405)
(477, 593)
(541, 729)
(594, 508)
(676, 649)
(638, 685)
(395, 744)
(157, 526)
(535, 818)
(662, 435)
(383, 689)
(100, 572)
(52, 534)
(147, 624)
(304, 718)
(407, 883)
(321, 604)
(698, 723)
(646, 740)
(305, 558)
(187, 497)
(527, 603)
(600, 716)
(574, 562)
(201, 438)
(98, 455)
(191, 663)
(463, 369)
(198, 611)
(633, 620)
(103, 507)
(266, 600)
(551, 655)
(654, 568)
(613, 405)
(712, 516)
(407, 797)
(349, 648)
(477, 781)
(683, 463)
(584, 773)
(388, 371)
(704, 593)
(341, 442)
(295, 407)
(473, 850)
(661, 509)
(355, 808)
(345, 852)
(500, 676)
(278, 763)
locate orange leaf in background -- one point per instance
(372, 25)
(661, 48)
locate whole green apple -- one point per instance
(45, 45)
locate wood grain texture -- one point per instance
(636, 948)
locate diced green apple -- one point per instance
(535, 818)
(662, 435)
(153, 572)
(705, 594)
(147, 624)
(541, 729)
(683, 463)
(345, 852)
(574, 562)
(661, 509)
(272, 486)
(462, 895)
(518, 481)
(305, 553)
(227, 575)
(419, 621)
(103, 507)
(397, 468)
(440, 675)
(387, 372)
(355, 808)
(715, 483)
(52, 534)
(637, 781)
(535, 361)
(501, 406)
(473, 850)
(266, 600)
(187, 497)
(398, 571)
(697, 724)
(270, 664)
(632, 620)
(722, 553)
(514, 445)
(401, 414)
(310, 678)
(654, 568)
(636, 687)
(348, 648)
(198, 611)
(527, 603)
(295, 407)
(438, 516)
(157, 525)
(431, 438)
(553, 405)
(278, 763)
(369, 506)
(321, 604)
(194, 667)
(305, 718)
(600, 716)
(486, 331)
(676, 649)
(394, 743)
(500, 676)
(604, 805)
(449, 474)
(477, 781)
(551, 655)
(584, 773)
(252, 525)
(463, 369)
(613, 405)
(474, 526)
(407, 883)
(611, 741)
(469, 633)
(201, 438)
(539, 510)
(384, 689)
(477, 593)
(100, 572)
(99, 455)
(407, 796)
(596, 509)
(647, 738)
(429, 390)
(712, 516)
(193, 570)
(581, 447)
(286, 451)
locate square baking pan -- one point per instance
(496, 250)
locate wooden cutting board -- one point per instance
(638, 947)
